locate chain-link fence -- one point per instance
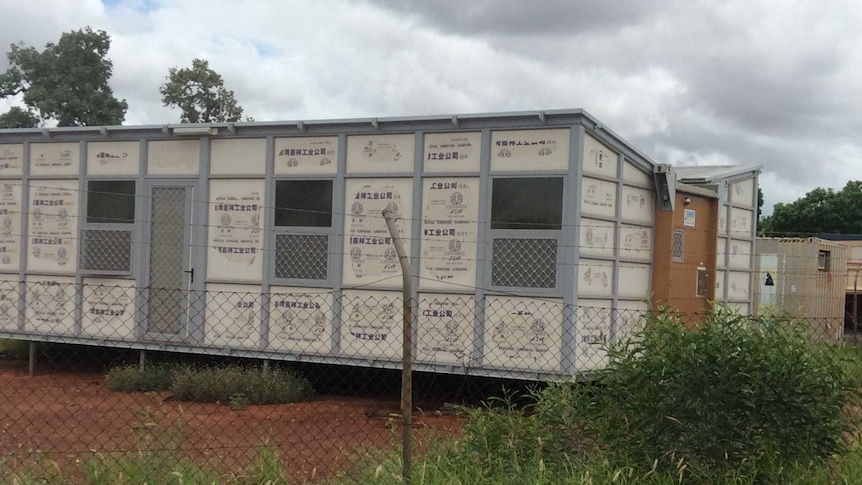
(98, 380)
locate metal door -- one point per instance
(170, 273)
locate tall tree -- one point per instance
(200, 94)
(820, 211)
(67, 81)
(18, 118)
(759, 202)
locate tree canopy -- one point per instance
(18, 118)
(66, 82)
(820, 211)
(200, 94)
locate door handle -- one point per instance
(191, 273)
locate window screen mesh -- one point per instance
(106, 250)
(524, 263)
(301, 256)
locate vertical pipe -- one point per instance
(407, 351)
(142, 360)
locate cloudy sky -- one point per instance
(750, 82)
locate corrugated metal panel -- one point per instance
(807, 284)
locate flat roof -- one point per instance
(704, 174)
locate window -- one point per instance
(702, 282)
(303, 223)
(303, 203)
(526, 223)
(678, 250)
(527, 203)
(823, 260)
(107, 236)
(111, 202)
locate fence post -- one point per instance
(31, 367)
(407, 350)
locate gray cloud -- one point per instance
(685, 81)
(520, 18)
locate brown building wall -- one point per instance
(674, 282)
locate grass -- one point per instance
(237, 386)
(570, 435)
(131, 378)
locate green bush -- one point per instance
(14, 349)
(224, 384)
(733, 396)
(733, 400)
(130, 378)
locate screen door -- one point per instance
(171, 275)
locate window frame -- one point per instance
(674, 257)
(824, 259)
(86, 226)
(331, 232)
(527, 233)
(701, 292)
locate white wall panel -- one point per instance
(739, 286)
(599, 159)
(371, 324)
(9, 296)
(633, 174)
(300, 320)
(631, 318)
(592, 331)
(11, 160)
(638, 205)
(235, 244)
(50, 307)
(54, 159)
(445, 328)
(530, 150)
(453, 152)
(113, 158)
(634, 280)
(740, 254)
(315, 155)
(369, 254)
(53, 233)
(108, 308)
(523, 333)
(233, 315)
(238, 156)
(742, 193)
(598, 198)
(721, 251)
(10, 225)
(636, 243)
(450, 231)
(595, 277)
(380, 153)
(720, 287)
(596, 238)
(741, 222)
(174, 157)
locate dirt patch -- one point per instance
(63, 419)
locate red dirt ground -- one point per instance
(63, 419)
